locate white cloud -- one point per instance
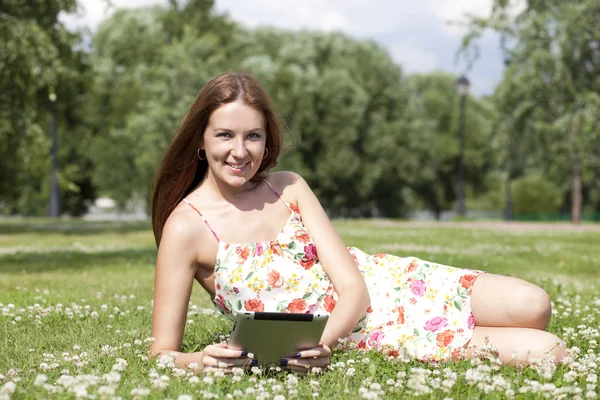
(416, 34)
(92, 12)
(454, 11)
(414, 58)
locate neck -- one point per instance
(227, 192)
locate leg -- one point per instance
(529, 343)
(503, 301)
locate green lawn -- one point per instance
(75, 300)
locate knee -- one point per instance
(550, 344)
(535, 308)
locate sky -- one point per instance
(417, 34)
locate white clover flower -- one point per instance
(140, 392)
(350, 372)
(256, 370)
(185, 397)
(112, 378)
(8, 388)
(208, 380)
(161, 383)
(40, 379)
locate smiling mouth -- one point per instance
(237, 167)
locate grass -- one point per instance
(75, 300)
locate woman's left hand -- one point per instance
(304, 361)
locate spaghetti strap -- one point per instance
(204, 219)
(278, 195)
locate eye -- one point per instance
(223, 134)
(254, 135)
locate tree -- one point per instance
(554, 61)
(431, 166)
(149, 64)
(41, 62)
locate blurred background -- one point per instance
(428, 110)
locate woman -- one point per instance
(218, 216)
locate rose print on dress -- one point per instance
(329, 303)
(375, 339)
(471, 321)
(303, 236)
(254, 305)
(436, 323)
(466, 281)
(444, 338)
(310, 252)
(297, 306)
(274, 279)
(400, 319)
(418, 287)
(308, 264)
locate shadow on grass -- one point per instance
(72, 227)
(37, 262)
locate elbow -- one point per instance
(157, 351)
(360, 292)
(366, 297)
(152, 353)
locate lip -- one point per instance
(231, 167)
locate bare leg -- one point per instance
(498, 300)
(530, 344)
(511, 314)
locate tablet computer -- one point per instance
(271, 336)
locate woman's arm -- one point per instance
(173, 280)
(176, 267)
(348, 282)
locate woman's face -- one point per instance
(234, 143)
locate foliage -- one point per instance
(534, 194)
(42, 73)
(550, 93)
(369, 139)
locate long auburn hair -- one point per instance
(181, 170)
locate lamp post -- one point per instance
(462, 86)
(54, 189)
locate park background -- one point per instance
(86, 112)
(85, 115)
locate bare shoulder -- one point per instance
(289, 184)
(185, 234)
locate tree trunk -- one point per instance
(576, 177)
(507, 199)
(576, 193)
(54, 189)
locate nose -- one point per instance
(239, 150)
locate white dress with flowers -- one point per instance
(418, 308)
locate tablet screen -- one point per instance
(273, 336)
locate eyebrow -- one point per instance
(231, 131)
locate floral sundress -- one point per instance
(419, 309)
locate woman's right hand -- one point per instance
(222, 357)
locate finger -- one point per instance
(314, 352)
(218, 351)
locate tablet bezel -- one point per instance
(271, 336)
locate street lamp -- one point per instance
(462, 86)
(54, 189)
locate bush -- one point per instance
(535, 194)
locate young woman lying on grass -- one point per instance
(259, 241)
